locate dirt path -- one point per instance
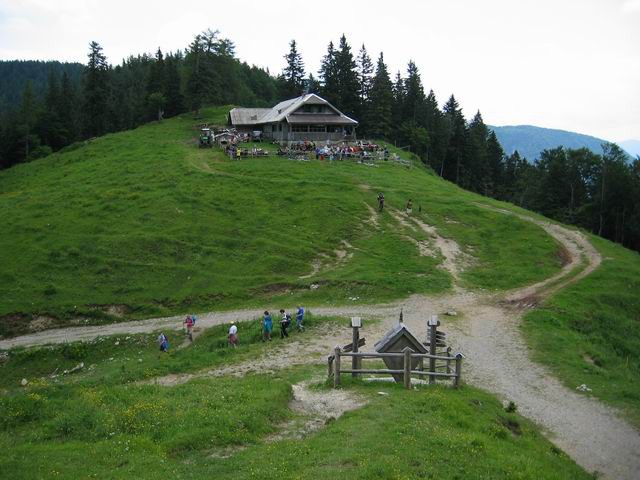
(487, 331)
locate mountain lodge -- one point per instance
(308, 117)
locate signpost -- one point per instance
(433, 328)
(356, 324)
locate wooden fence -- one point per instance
(407, 372)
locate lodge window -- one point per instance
(300, 128)
(317, 128)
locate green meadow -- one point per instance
(102, 422)
(145, 222)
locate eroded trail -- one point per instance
(487, 332)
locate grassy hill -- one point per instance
(144, 223)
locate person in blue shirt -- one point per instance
(300, 318)
(267, 326)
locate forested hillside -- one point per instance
(14, 75)
(598, 191)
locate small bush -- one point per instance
(75, 351)
(21, 409)
(79, 422)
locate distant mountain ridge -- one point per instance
(529, 140)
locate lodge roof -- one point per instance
(286, 110)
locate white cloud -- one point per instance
(569, 64)
(631, 6)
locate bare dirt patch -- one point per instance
(41, 322)
(316, 409)
(324, 262)
(373, 216)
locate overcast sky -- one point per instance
(569, 64)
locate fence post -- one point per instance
(407, 367)
(448, 361)
(330, 366)
(336, 366)
(456, 381)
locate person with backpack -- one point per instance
(300, 318)
(163, 341)
(380, 201)
(284, 323)
(267, 326)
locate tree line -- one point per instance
(107, 98)
(600, 192)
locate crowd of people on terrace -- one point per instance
(359, 150)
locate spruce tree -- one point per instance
(198, 71)
(495, 165)
(328, 75)
(312, 84)
(156, 80)
(348, 97)
(438, 137)
(293, 73)
(478, 175)
(68, 110)
(365, 79)
(96, 91)
(451, 168)
(365, 72)
(156, 99)
(413, 108)
(379, 118)
(398, 103)
(172, 91)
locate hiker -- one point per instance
(189, 323)
(267, 326)
(409, 208)
(300, 318)
(284, 323)
(380, 201)
(233, 335)
(163, 342)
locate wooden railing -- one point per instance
(407, 372)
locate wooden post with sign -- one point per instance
(433, 328)
(336, 366)
(356, 323)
